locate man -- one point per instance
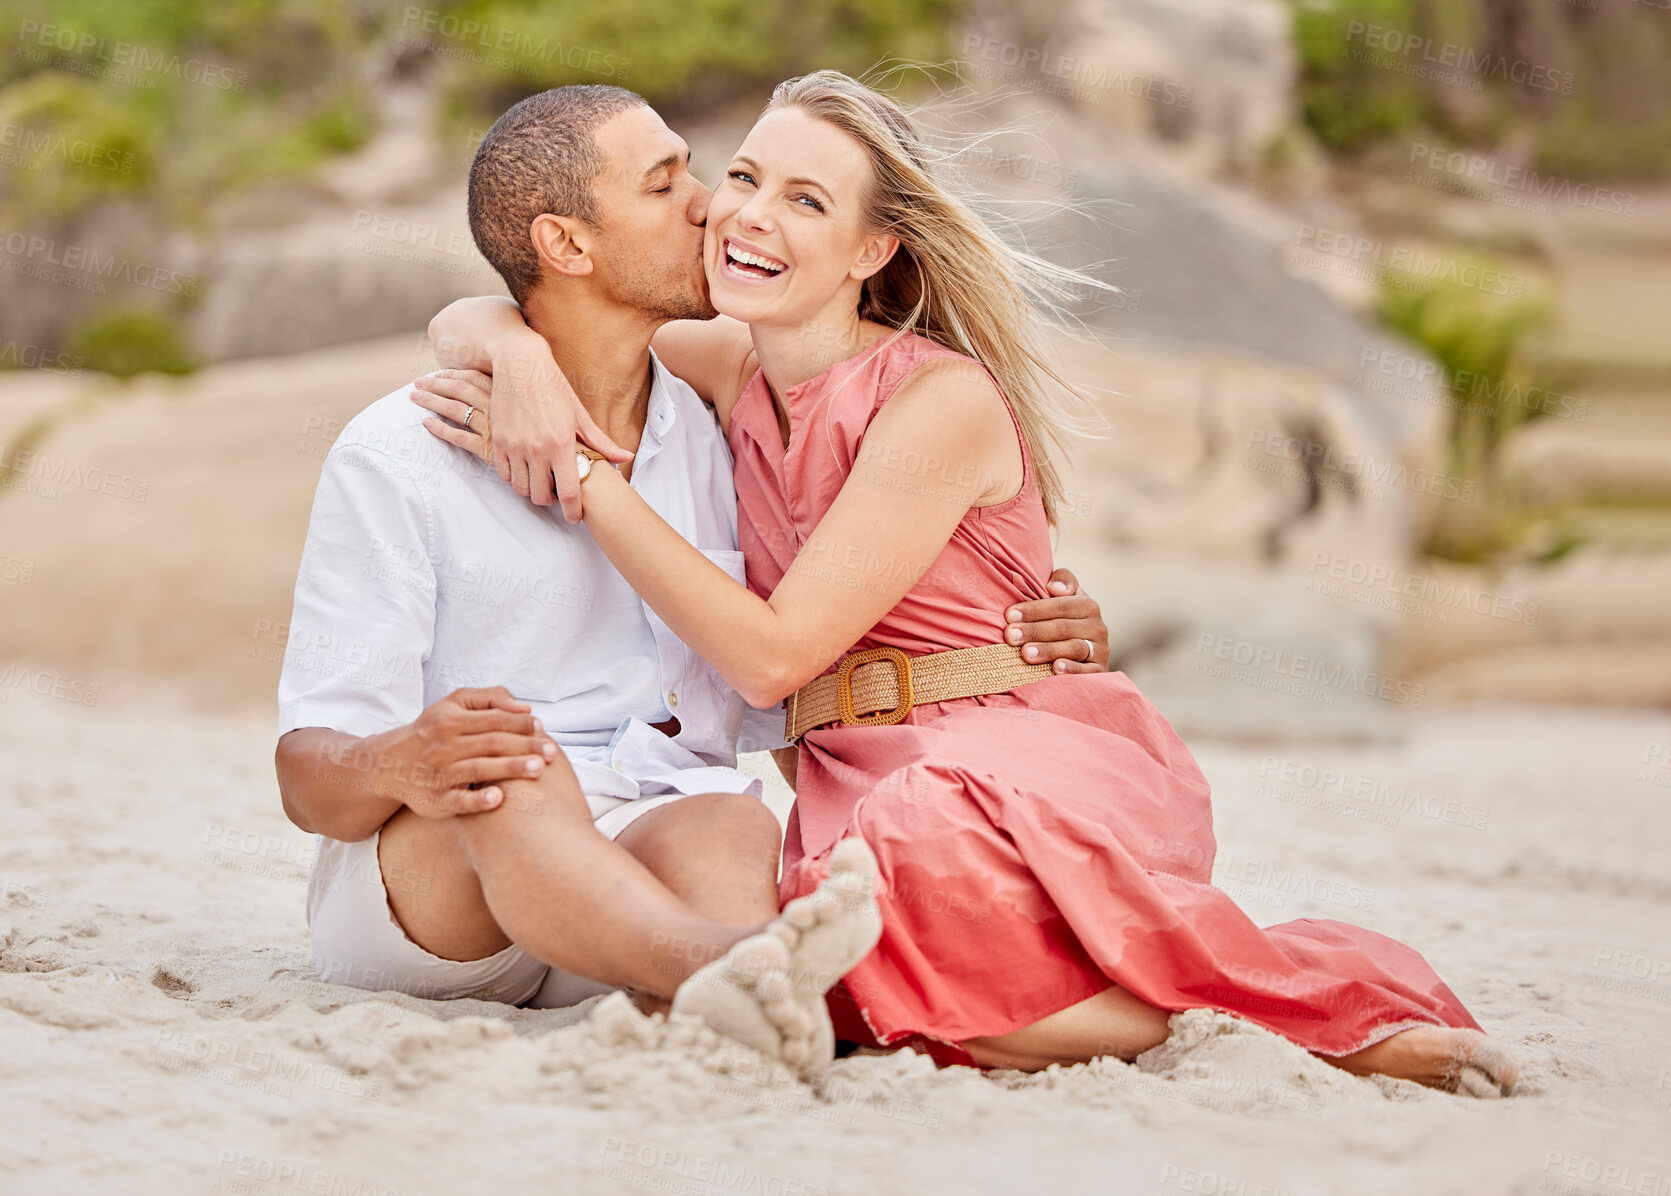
(524, 784)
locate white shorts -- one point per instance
(357, 942)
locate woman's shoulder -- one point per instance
(739, 365)
(926, 364)
(715, 357)
(905, 349)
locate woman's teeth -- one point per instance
(742, 258)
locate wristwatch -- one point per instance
(583, 458)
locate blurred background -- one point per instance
(1387, 383)
(1380, 519)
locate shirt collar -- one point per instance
(662, 411)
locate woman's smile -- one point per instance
(748, 264)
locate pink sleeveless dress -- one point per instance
(1035, 846)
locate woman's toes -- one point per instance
(1471, 1081)
(1497, 1063)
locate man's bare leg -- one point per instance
(716, 852)
(768, 990)
(537, 872)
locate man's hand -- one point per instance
(1067, 628)
(470, 737)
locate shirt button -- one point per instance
(672, 700)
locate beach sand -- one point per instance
(161, 1029)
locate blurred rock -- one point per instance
(1200, 270)
(1593, 627)
(63, 276)
(1605, 674)
(1206, 550)
(342, 275)
(380, 245)
(1234, 458)
(404, 162)
(1215, 76)
(162, 531)
(1233, 652)
(1555, 462)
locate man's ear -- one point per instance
(878, 250)
(563, 244)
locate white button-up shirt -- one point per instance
(424, 573)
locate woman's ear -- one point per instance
(876, 253)
(562, 244)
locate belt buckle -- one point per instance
(844, 688)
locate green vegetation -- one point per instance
(1474, 320)
(1575, 95)
(1590, 96)
(183, 100)
(676, 53)
(86, 148)
(131, 340)
(1349, 103)
(169, 104)
(122, 121)
(1476, 333)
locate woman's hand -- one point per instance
(463, 397)
(539, 418)
(539, 415)
(1066, 628)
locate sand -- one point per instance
(161, 1031)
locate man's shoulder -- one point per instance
(393, 417)
(389, 437)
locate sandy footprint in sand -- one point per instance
(767, 992)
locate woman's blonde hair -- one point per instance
(954, 279)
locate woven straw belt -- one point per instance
(880, 686)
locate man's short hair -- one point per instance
(539, 158)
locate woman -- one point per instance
(1045, 841)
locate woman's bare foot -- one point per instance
(768, 991)
(1464, 1061)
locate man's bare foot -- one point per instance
(768, 990)
(1463, 1061)
(827, 932)
(742, 995)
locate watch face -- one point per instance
(582, 465)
